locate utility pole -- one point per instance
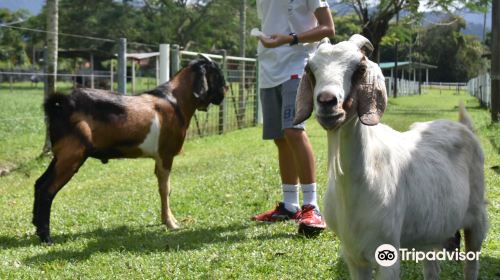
(495, 61)
(243, 24)
(50, 58)
(52, 45)
(122, 66)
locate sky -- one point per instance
(34, 6)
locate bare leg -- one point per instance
(302, 154)
(163, 174)
(288, 171)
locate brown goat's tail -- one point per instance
(58, 109)
(463, 116)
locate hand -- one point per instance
(275, 40)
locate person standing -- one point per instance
(292, 28)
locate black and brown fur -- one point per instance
(103, 125)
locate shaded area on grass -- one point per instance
(129, 239)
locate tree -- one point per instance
(345, 26)
(197, 25)
(375, 17)
(495, 62)
(200, 25)
(12, 45)
(457, 56)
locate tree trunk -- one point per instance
(51, 57)
(374, 31)
(495, 61)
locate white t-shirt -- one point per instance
(277, 65)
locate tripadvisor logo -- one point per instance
(387, 255)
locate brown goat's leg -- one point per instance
(43, 198)
(163, 174)
(65, 164)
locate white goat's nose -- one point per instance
(327, 98)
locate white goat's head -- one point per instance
(341, 82)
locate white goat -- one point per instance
(415, 189)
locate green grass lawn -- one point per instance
(105, 222)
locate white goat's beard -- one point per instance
(334, 164)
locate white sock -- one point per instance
(291, 197)
(309, 193)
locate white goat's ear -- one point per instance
(363, 44)
(304, 100)
(371, 95)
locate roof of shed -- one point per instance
(406, 64)
(141, 56)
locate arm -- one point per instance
(324, 29)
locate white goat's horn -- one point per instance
(205, 57)
(363, 44)
(323, 41)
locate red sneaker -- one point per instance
(278, 214)
(311, 222)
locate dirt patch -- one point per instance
(5, 169)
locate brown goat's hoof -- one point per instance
(172, 225)
(46, 239)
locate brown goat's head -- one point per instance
(341, 82)
(210, 85)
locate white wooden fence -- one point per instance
(480, 87)
(405, 87)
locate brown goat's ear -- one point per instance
(304, 100)
(371, 94)
(200, 86)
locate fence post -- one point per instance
(10, 84)
(92, 85)
(223, 106)
(240, 118)
(157, 70)
(164, 62)
(111, 74)
(122, 66)
(257, 93)
(46, 72)
(133, 76)
(175, 60)
(256, 97)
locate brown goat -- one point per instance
(103, 125)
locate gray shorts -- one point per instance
(278, 109)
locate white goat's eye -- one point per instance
(312, 68)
